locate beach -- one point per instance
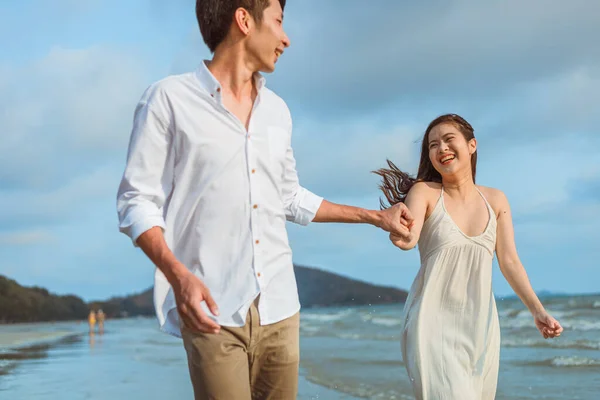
(346, 353)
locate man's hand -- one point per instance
(190, 292)
(397, 220)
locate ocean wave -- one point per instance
(566, 362)
(358, 336)
(386, 363)
(305, 328)
(588, 308)
(27, 354)
(584, 303)
(386, 321)
(508, 313)
(381, 320)
(325, 317)
(6, 366)
(581, 325)
(517, 323)
(567, 323)
(555, 344)
(350, 336)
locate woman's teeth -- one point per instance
(447, 159)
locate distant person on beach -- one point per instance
(101, 317)
(92, 321)
(451, 337)
(209, 183)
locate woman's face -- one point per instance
(449, 151)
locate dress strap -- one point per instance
(489, 206)
(481, 194)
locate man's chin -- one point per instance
(268, 68)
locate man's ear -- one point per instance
(243, 20)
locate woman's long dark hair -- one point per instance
(395, 183)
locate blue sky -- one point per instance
(362, 82)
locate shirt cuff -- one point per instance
(307, 206)
(135, 230)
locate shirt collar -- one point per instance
(212, 85)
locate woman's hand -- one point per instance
(404, 242)
(547, 325)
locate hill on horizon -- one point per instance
(317, 288)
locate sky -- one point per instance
(362, 81)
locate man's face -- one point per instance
(267, 40)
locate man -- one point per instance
(209, 183)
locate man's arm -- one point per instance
(147, 179)
(146, 184)
(189, 291)
(395, 219)
(302, 206)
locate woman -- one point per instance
(451, 338)
(92, 321)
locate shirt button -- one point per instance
(258, 274)
(218, 89)
(253, 171)
(257, 242)
(255, 206)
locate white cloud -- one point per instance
(63, 202)
(26, 238)
(63, 111)
(337, 159)
(537, 177)
(560, 105)
(361, 55)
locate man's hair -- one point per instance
(216, 16)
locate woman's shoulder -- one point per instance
(427, 186)
(495, 197)
(425, 190)
(490, 191)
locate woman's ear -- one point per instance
(472, 146)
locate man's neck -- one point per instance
(233, 72)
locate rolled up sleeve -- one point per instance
(147, 180)
(301, 205)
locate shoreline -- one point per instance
(308, 390)
(18, 341)
(19, 336)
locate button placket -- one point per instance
(254, 210)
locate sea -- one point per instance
(346, 353)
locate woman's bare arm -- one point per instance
(513, 269)
(417, 203)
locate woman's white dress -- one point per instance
(451, 337)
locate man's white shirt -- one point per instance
(220, 193)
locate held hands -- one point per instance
(397, 220)
(190, 292)
(547, 325)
